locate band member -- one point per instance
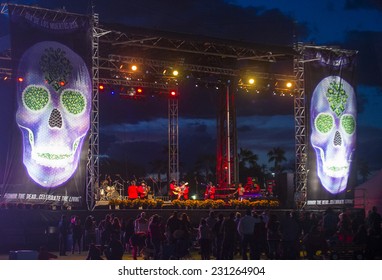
(132, 190)
(210, 191)
(239, 191)
(251, 187)
(186, 192)
(171, 191)
(143, 190)
(179, 190)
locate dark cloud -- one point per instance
(363, 4)
(369, 46)
(369, 147)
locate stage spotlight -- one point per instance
(134, 67)
(173, 94)
(101, 87)
(139, 90)
(288, 84)
(175, 73)
(5, 78)
(251, 81)
(20, 79)
(62, 83)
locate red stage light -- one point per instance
(62, 83)
(173, 93)
(101, 87)
(20, 79)
(139, 90)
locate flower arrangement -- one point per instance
(196, 204)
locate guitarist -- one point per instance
(180, 190)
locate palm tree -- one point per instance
(247, 158)
(277, 155)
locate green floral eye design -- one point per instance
(324, 123)
(35, 98)
(73, 101)
(348, 123)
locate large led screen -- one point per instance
(332, 117)
(51, 106)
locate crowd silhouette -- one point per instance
(227, 235)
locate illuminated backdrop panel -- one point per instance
(332, 115)
(51, 55)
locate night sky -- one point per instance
(137, 130)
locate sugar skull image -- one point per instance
(333, 123)
(54, 102)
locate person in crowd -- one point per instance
(374, 219)
(218, 236)
(172, 224)
(89, 231)
(137, 241)
(273, 237)
(229, 232)
(127, 228)
(155, 236)
(116, 228)
(77, 234)
(63, 231)
(105, 228)
(204, 240)
(114, 250)
(246, 228)
(314, 241)
(290, 236)
(94, 253)
(329, 223)
(260, 237)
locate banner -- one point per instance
(332, 126)
(47, 154)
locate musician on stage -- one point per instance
(210, 191)
(172, 190)
(143, 190)
(239, 191)
(132, 190)
(180, 190)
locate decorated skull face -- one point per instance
(54, 102)
(333, 122)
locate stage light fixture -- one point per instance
(175, 73)
(288, 84)
(139, 90)
(251, 81)
(134, 67)
(101, 87)
(20, 79)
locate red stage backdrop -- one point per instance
(51, 55)
(332, 126)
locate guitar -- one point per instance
(179, 190)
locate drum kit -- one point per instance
(108, 192)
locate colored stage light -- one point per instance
(175, 72)
(173, 93)
(139, 90)
(101, 87)
(288, 84)
(20, 79)
(134, 67)
(251, 81)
